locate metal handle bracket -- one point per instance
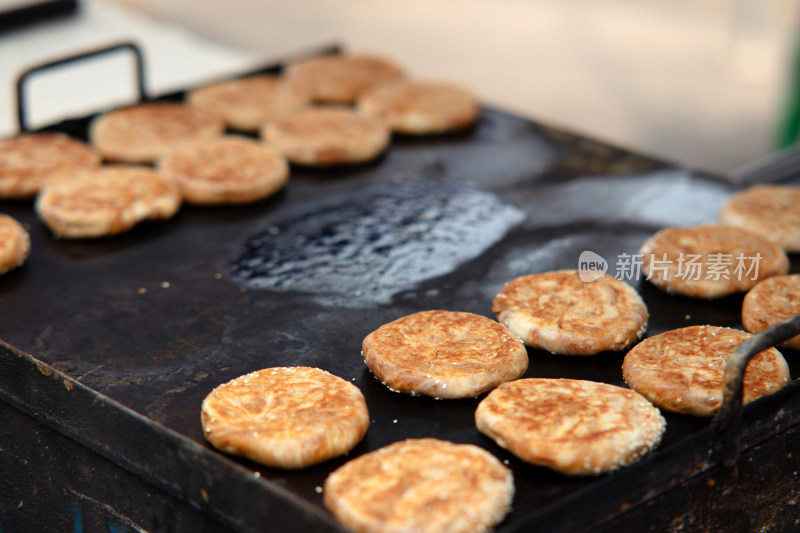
(23, 78)
(728, 420)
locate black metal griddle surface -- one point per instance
(157, 317)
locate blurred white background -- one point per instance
(698, 82)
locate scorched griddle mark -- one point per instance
(372, 243)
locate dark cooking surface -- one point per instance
(158, 317)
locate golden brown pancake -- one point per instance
(106, 201)
(772, 211)
(771, 301)
(342, 78)
(15, 244)
(327, 136)
(421, 485)
(28, 160)
(144, 132)
(573, 426)
(558, 312)
(710, 261)
(681, 370)
(420, 108)
(444, 354)
(285, 417)
(245, 104)
(226, 170)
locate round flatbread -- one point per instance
(226, 170)
(29, 160)
(444, 354)
(681, 370)
(710, 261)
(106, 201)
(342, 78)
(285, 417)
(144, 132)
(327, 136)
(245, 104)
(420, 108)
(573, 426)
(772, 211)
(15, 244)
(421, 485)
(771, 301)
(559, 312)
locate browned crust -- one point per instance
(106, 201)
(342, 78)
(575, 427)
(144, 132)
(771, 301)
(421, 485)
(420, 108)
(444, 354)
(665, 254)
(327, 136)
(772, 211)
(681, 370)
(285, 417)
(29, 160)
(15, 244)
(226, 170)
(245, 104)
(558, 312)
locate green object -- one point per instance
(789, 131)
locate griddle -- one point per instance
(112, 344)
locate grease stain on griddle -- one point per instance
(364, 246)
(547, 249)
(673, 197)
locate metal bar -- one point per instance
(23, 78)
(773, 168)
(729, 419)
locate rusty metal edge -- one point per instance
(209, 481)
